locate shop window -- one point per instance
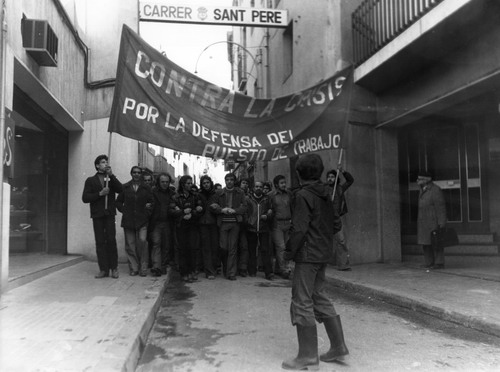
(38, 209)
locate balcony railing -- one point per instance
(377, 22)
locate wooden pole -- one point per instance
(337, 174)
(106, 179)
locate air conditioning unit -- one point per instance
(40, 41)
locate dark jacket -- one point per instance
(207, 197)
(161, 209)
(132, 204)
(91, 195)
(314, 223)
(256, 208)
(221, 202)
(281, 201)
(340, 190)
(180, 203)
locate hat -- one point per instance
(425, 175)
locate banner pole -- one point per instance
(349, 101)
(337, 174)
(106, 180)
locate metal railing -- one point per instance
(377, 22)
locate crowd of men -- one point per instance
(235, 230)
(231, 231)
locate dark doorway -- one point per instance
(451, 153)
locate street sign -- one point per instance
(212, 15)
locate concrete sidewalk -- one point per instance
(69, 321)
(466, 292)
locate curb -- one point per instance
(131, 339)
(130, 364)
(384, 295)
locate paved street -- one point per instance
(244, 326)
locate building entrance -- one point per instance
(38, 210)
(451, 152)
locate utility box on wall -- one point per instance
(40, 41)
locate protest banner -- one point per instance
(158, 102)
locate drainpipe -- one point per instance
(4, 237)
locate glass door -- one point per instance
(451, 153)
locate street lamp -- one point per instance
(255, 62)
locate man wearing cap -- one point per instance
(100, 191)
(431, 215)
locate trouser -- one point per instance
(136, 247)
(188, 240)
(341, 251)
(280, 234)
(242, 249)
(209, 236)
(433, 255)
(161, 237)
(258, 245)
(309, 299)
(229, 246)
(105, 242)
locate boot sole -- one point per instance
(340, 358)
(304, 368)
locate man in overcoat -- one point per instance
(431, 215)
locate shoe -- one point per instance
(231, 278)
(186, 279)
(134, 273)
(143, 273)
(102, 274)
(114, 274)
(437, 267)
(193, 277)
(285, 275)
(156, 272)
(243, 273)
(270, 277)
(210, 277)
(345, 269)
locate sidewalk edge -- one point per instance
(385, 295)
(130, 363)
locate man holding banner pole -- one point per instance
(340, 249)
(100, 191)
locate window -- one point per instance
(288, 51)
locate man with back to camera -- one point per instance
(100, 192)
(314, 223)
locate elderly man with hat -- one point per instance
(431, 215)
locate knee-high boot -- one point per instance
(307, 358)
(338, 349)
